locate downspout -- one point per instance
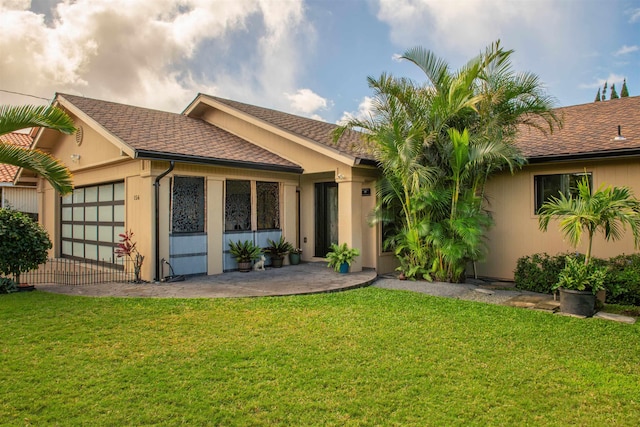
(156, 184)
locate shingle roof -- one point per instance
(164, 135)
(8, 172)
(589, 131)
(320, 132)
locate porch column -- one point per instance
(349, 215)
(215, 225)
(289, 216)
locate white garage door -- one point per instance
(92, 219)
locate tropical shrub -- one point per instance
(127, 248)
(623, 280)
(578, 276)
(244, 251)
(538, 272)
(437, 142)
(341, 254)
(7, 285)
(23, 244)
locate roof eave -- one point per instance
(585, 156)
(332, 152)
(155, 155)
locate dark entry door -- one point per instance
(326, 217)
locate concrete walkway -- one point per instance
(315, 277)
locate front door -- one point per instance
(326, 231)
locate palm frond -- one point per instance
(41, 163)
(13, 118)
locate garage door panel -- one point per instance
(92, 219)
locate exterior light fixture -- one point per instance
(75, 158)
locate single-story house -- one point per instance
(601, 139)
(188, 184)
(20, 196)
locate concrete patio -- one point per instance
(305, 278)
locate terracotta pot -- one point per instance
(244, 266)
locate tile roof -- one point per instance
(8, 172)
(589, 131)
(164, 135)
(317, 131)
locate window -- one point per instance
(237, 207)
(188, 205)
(547, 186)
(92, 219)
(268, 205)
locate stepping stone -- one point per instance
(577, 316)
(615, 317)
(548, 305)
(484, 291)
(521, 304)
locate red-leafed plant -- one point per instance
(127, 247)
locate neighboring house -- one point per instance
(187, 184)
(20, 196)
(589, 142)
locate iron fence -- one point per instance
(64, 271)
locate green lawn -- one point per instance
(363, 357)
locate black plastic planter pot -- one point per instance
(581, 303)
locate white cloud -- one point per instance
(464, 27)
(306, 101)
(599, 83)
(635, 15)
(626, 49)
(365, 109)
(119, 50)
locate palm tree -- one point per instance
(608, 210)
(438, 142)
(14, 118)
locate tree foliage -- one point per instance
(609, 210)
(23, 243)
(624, 92)
(614, 93)
(437, 143)
(13, 118)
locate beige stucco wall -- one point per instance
(516, 232)
(321, 164)
(102, 161)
(312, 161)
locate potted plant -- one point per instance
(277, 250)
(605, 210)
(578, 284)
(294, 256)
(244, 253)
(340, 257)
(24, 245)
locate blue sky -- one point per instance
(307, 57)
